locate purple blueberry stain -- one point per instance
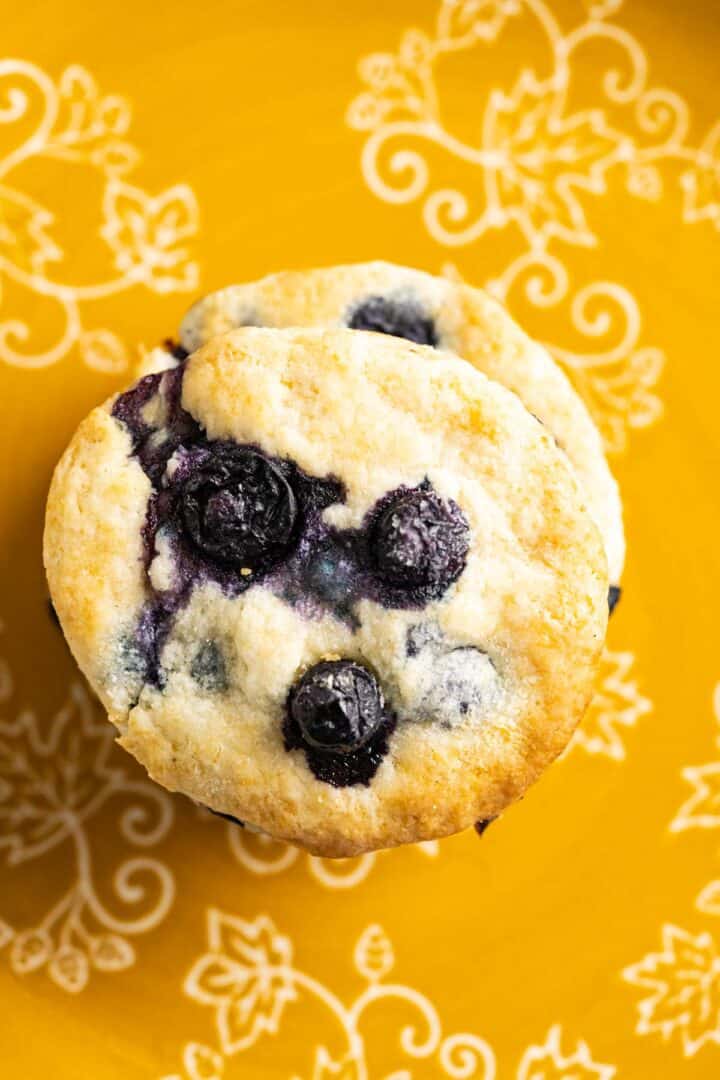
(226, 513)
(233, 516)
(396, 315)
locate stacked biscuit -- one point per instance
(339, 564)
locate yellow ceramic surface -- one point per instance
(567, 155)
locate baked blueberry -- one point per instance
(614, 594)
(408, 303)
(175, 349)
(482, 825)
(238, 508)
(208, 668)
(442, 711)
(336, 713)
(419, 541)
(337, 705)
(391, 315)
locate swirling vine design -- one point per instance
(535, 167)
(248, 978)
(71, 121)
(51, 786)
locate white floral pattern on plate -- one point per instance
(684, 978)
(51, 785)
(536, 165)
(248, 978)
(73, 122)
(262, 855)
(548, 1062)
(616, 706)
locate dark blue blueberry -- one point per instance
(419, 542)
(228, 817)
(481, 826)
(614, 594)
(337, 705)
(175, 349)
(208, 668)
(238, 508)
(337, 715)
(400, 317)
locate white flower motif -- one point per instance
(645, 182)
(374, 955)
(684, 980)
(701, 183)
(145, 233)
(71, 121)
(544, 157)
(548, 1062)
(617, 705)
(702, 809)
(709, 898)
(244, 976)
(51, 784)
(347, 1068)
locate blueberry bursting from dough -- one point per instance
(231, 514)
(404, 317)
(336, 713)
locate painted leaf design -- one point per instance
(709, 898)
(245, 977)
(47, 781)
(30, 950)
(6, 933)
(416, 49)
(24, 239)
(645, 182)
(202, 1062)
(110, 952)
(619, 395)
(396, 84)
(684, 984)
(88, 120)
(548, 1062)
(468, 20)
(104, 351)
(617, 704)
(325, 1068)
(69, 968)
(702, 809)
(545, 157)
(374, 955)
(146, 232)
(701, 183)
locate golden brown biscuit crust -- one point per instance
(379, 412)
(468, 322)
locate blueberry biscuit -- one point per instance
(431, 311)
(339, 586)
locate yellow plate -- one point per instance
(567, 155)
